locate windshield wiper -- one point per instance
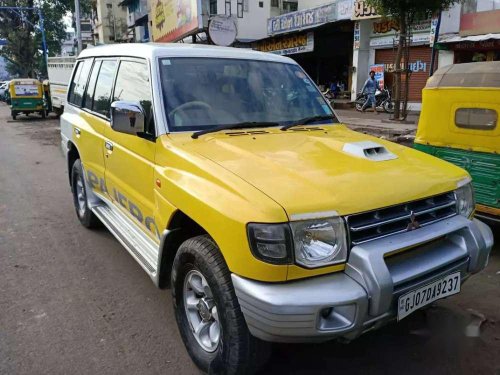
(238, 125)
(308, 120)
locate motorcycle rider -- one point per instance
(370, 87)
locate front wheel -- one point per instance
(208, 314)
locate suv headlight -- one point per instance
(313, 243)
(319, 242)
(465, 200)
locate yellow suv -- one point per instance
(228, 177)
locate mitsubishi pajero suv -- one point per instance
(230, 180)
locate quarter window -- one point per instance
(132, 84)
(476, 118)
(102, 93)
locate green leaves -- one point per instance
(24, 49)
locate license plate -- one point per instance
(420, 297)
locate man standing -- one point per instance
(370, 87)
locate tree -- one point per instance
(406, 13)
(23, 51)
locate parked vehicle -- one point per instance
(383, 101)
(59, 69)
(26, 96)
(3, 88)
(459, 123)
(227, 177)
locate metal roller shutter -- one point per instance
(420, 56)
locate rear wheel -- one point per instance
(208, 314)
(389, 106)
(14, 115)
(359, 105)
(83, 211)
(44, 114)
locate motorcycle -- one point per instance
(383, 101)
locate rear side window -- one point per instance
(89, 94)
(476, 118)
(132, 84)
(102, 93)
(77, 87)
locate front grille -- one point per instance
(368, 226)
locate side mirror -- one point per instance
(127, 117)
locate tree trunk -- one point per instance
(397, 71)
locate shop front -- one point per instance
(473, 48)
(319, 39)
(383, 43)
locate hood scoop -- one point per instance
(369, 150)
(251, 132)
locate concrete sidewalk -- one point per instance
(380, 124)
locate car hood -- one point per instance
(310, 171)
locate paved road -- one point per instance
(72, 301)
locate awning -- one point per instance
(472, 38)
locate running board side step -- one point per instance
(143, 249)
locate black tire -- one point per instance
(359, 105)
(238, 352)
(389, 106)
(44, 114)
(14, 115)
(84, 214)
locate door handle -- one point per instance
(108, 145)
(77, 131)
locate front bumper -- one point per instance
(364, 296)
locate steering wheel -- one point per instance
(190, 105)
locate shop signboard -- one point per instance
(344, 9)
(222, 30)
(302, 19)
(172, 20)
(362, 11)
(357, 35)
(432, 35)
(379, 74)
(287, 44)
(384, 33)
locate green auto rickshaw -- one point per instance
(460, 123)
(26, 96)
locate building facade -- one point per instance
(477, 37)
(137, 20)
(318, 36)
(109, 21)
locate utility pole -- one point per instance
(78, 28)
(433, 53)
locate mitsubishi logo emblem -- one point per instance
(414, 224)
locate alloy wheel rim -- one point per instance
(201, 311)
(80, 196)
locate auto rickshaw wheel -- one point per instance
(44, 114)
(14, 115)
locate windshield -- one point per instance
(203, 93)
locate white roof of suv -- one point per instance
(153, 50)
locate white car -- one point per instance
(3, 88)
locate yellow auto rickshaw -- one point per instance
(459, 123)
(26, 96)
